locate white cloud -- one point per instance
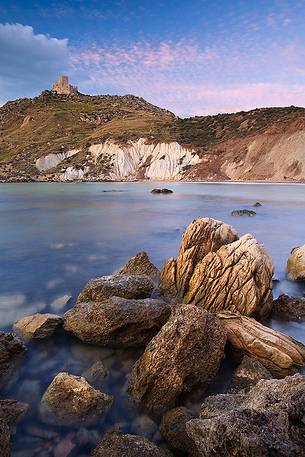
(29, 61)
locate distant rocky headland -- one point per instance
(63, 135)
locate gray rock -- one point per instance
(266, 421)
(11, 348)
(248, 373)
(288, 308)
(4, 439)
(125, 286)
(243, 212)
(118, 445)
(161, 191)
(37, 326)
(96, 373)
(257, 204)
(140, 264)
(117, 321)
(185, 353)
(173, 429)
(70, 401)
(11, 411)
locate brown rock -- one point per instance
(248, 373)
(12, 411)
(201, 237)
(70, 400)
(11, 348)
(117, 321)
(296, 263)
(267, 421)
(118, 445)
(186, 352)
(37, 326)
(125, 286)
(140, 264)
(290, 308)
(4, 439)
(280, 354)
(96, 373)
(173, 429)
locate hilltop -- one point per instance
(59, 136)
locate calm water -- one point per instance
(54, 237)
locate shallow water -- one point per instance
(54, 237)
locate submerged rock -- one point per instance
(267, 421)
(125, 286)
(248, 373)
(186, 352)
(117, 321)
(162, 191)
(96, 373)
(296, 263)
(118, 445)
(243, 212)
(70, 401)
(280, 354)
(38, 325)
(288, 308)
(11, 348)
(140, 264)
(173, 429)
(202, 236)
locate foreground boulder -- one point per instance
(140, 264)
(70, 401)
(37, 326)
(201, 237)
(11, 348)
(267, 421)
(296, 263)
(289, 308)
(118, 445)
(117, 321)
(248, 373)
(125, 286)
(280, 354)
(186, 352)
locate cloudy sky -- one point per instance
(195, 57)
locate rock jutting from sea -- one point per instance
(212, 303)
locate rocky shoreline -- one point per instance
(208, 305)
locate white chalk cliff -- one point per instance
(52, 160)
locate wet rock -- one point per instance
(248, 373)
(12, 411)
(161, 191)
(243, 212)
(201, 237)
(118, 445)
(60, 302)
(288, 308)
(140, 264)
(267, 421)
(238, 278)
(280, 354)
(186, 352)
(4, 439)
(11, 348)
(173, 429)
(296, 263)
(257, 204)
(70, 400)
(117, 321)
(37, 326)
(125, 286)
(96, 373)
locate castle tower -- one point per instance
(62, 86)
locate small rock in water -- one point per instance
(60, 302)
(243, 212)
(161, 191)
(37, 326)
(96, 373)
(257, 204)
(70, 400)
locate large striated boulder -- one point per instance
(186, 352)
(288, 308)
(202, 236)
(71, 401)
(37, 326)
(116, 444)
(280, 354)
(11, 348)
(117, 321)
(267, 421)
(125, 286)
(140, 264)
(296, 263)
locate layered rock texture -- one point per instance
(216, 271)
(126, 138)
(296, 263)
(186, 352)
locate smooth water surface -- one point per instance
(54, 237)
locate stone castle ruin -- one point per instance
(62, 86)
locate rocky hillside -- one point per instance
(56, 137)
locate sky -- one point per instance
(193, 57)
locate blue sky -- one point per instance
(196, 57)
